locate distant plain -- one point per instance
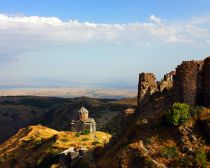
(71, 92)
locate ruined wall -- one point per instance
(187, 82)
(147, 86)
(190, 84)
(206, 82)
(167, 82)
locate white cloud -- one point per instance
(19, 34)
(155, 19)
(208, 42)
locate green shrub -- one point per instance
(178, 113)
(186, 162)
(208, 121)
(149, 163)
(39, 161)
(77, 134)
(53, 151)
(64, 139)
(38, 141)
(1, 160)
(85, 139)
(95, 143)
(150, 140)
(169, 152)
(200, 158)
(85, 132)
(36, 144)
(195, 111)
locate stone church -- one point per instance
(83, 122)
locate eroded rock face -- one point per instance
(147, 86)
(187, 82)
(206, 82)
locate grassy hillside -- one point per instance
(38, 146)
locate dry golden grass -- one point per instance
(33, 144)
(55, 166)
(65, 139)
(37, 132)
(205, 114)
(69, 139)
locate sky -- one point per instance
(92, 43)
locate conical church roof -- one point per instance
(83, 110)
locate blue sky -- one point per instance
(102, 43)
(107, 11)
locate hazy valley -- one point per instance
(71, 92)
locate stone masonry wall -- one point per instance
(190, 84)
(206, 82)
(167, 82)
(147, 86)
(186, 82)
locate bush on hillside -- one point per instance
(95, 143)
(169, 152)
(85, 132)
(77, 134)
(186, 161)
(178, 113)
(196, 111)
(208, 121)
(1, 160)
(200, 158)
(85, 139)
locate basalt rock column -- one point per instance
(206, 82)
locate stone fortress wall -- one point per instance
(190, 83)
(206, 82)
(187, 82)
(146, 87)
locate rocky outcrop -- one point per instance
(206, 82)
(147, 86)
(186, 82)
